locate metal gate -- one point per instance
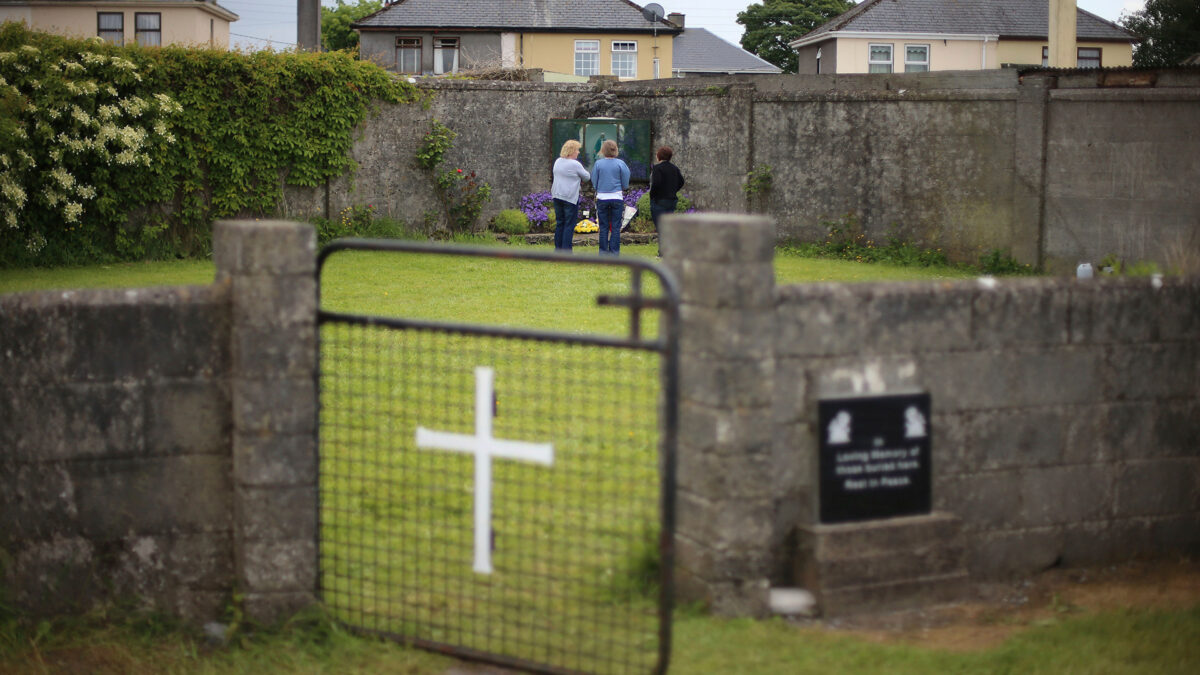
(500, 493)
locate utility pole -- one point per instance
(308, 25)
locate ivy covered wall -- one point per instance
(119, 153)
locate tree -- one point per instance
(770, 26)
(1170, 32)
(335, 23)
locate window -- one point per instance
(148, 29)
(110, 26)
(587, 57)
(916, 58)
(818, 60)
(445, 55)
(879, 59)
(1087, 57)
(624, 59)
(656, 69)
(408, 54)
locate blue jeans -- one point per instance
(657, 208)
(565, 215)
(609, 213)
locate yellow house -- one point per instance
(570, 40)
(126, 22)
(905, 36)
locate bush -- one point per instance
(511, 221)
(125, 153)
(847, 241)
(360, 221)
(684, 205)
(1001, 263)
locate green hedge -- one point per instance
(126, 153)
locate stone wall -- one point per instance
(1055, 168)
(1065, 412)
(157, 445)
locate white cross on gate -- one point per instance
(484, 447)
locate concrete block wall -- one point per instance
(114, 448)
(1066, 413)
(157, 446)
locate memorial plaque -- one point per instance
(874, 457)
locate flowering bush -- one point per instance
(462, 194)
(538, 207)
(72, 130)
(124, 153)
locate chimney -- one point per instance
(1062, 53)
(675, 18)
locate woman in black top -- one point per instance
(665, 183)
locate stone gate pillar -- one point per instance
(725, 265)
(270, 267)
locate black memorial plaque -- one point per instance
(875, 460)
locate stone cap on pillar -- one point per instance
(718, 237)
(250, 247)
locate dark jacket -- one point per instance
(665, 181)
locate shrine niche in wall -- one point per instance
(632, 136)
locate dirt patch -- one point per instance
(995, 611)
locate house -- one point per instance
(700, 53)
(568, 39)
(126, 22)
(905, 36)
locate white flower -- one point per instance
(111, 91)
(107, 112)
(10, 218)
(5, 57)
(72, 211)
(85, 191)
(52, 198)
(134, 105)
(12, 192)
(80, 115)
(167, 104)
(64, 179)
(92, 58)
(30, 50)
(35, 242)
(126, 157)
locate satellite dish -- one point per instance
(653, 12)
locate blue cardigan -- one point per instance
(610, 175)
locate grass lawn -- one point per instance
(360, 453)
(789, 269)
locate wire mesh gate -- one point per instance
(498, 493)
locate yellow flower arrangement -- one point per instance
(586, 226)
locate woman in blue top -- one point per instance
(568, 173)
(610, 176)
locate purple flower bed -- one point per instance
(537, 207)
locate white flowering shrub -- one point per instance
(69, 124)
(128, 153)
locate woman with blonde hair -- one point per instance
(568, 174)
(612, 178)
